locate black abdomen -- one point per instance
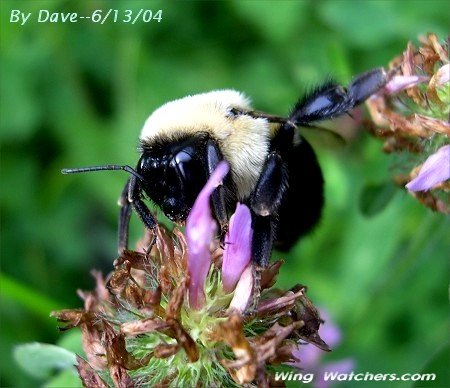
(302, 205)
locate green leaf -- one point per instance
(28, 297)
(43, 360)
(375, 197)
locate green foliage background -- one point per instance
(78, 94)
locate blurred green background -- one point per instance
(77, 94)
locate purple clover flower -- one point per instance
(243, 290)
(402, 82)
(237, 252)
(200, 231)
(435, 170)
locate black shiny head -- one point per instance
(173, 174)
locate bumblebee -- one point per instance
(273, 169)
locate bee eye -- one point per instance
(191, 172)
(185, 165)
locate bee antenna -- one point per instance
(102, 168)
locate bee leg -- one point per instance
(268, 194)
(367, 84)
(265, 200)
(332, 100)
(263, 237)
(124, 218)
(134, 197)
(213, 158)
(271, 186)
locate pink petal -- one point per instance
(243, 290)
(435, 170)
(200, 231)
(402, 82)
(237, 252)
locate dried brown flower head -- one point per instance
(138, 327)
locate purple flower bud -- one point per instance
(435, 170)
(200, 231)
(237, 252)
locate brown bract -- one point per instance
(252, 354)
(88, 375)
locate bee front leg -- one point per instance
(124, 218)
(134, 197)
